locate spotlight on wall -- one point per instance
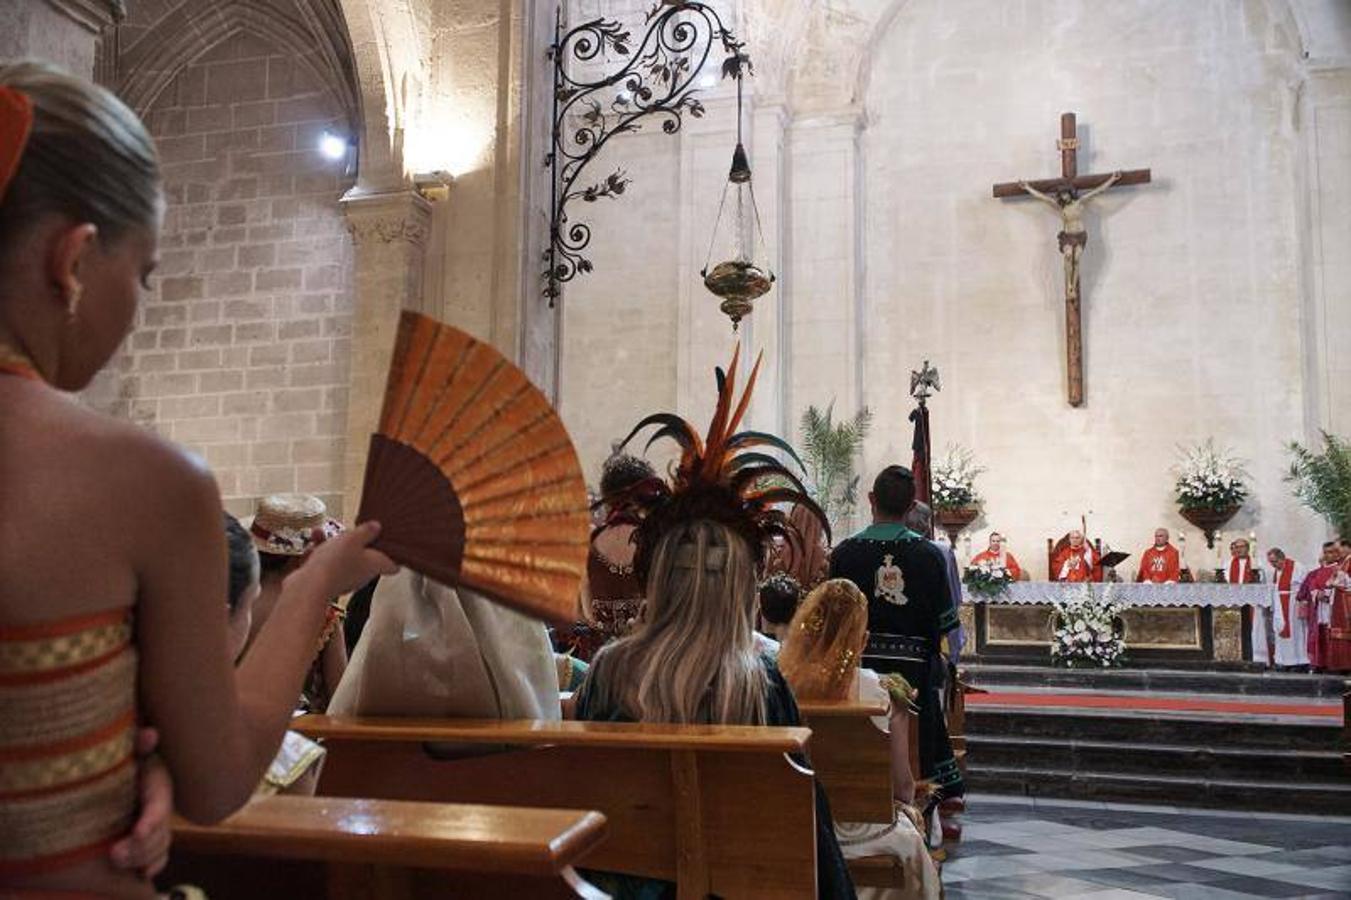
(708, 81)
(332, 146)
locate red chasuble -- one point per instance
(1339, 631)
(1315, 607)
(1077, 566)
(1160, 566)
(1008, 562)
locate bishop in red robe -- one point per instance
(1078, 562)
(1160, 564)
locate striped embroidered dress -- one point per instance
(67, 725)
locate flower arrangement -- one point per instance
(954, 480)
(1086, 631)
(1208, 478)
(987, 579)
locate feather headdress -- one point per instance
(725, 476)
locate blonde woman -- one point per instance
(820, 659)
(695, 660)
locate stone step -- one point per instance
(1256, 765)
(1154, 728)
(1328, 798)
(1266, 684)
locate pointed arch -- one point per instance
(318, 40)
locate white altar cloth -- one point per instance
(1134, 595)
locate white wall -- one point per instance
(1215, 297)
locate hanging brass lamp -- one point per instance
(742, 272)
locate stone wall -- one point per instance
(241, 348)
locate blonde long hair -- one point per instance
(821, 652)
(694, 658)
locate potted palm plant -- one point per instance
(1322, 480)
(829, 449)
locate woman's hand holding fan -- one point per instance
(347, 561)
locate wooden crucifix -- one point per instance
(1063, 194)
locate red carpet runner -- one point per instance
(1144, 703)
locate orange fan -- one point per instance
(472, 476)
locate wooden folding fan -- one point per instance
(473, 477)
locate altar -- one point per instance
(1197, 622)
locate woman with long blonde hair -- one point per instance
(820, 658)
(693, 659)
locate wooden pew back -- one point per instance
(719, 809)
(852, 758)
(325, 847)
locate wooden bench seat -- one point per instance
(719, 809)
(392, 850)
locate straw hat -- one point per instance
(291, 524)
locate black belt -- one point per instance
(899, 646)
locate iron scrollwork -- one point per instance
(657, 79)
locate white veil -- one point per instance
(433, 651)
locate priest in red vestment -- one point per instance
(1289, 630)
(1339, 629)
(1078, 562)
(1313, 603)
(1241, 569)
(1161, 563)
(996, 555)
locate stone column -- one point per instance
(389, 236)
(823, 299)
(65, 32)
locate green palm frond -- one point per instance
(829, 450)
(1322, 480)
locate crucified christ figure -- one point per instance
(1073, 236)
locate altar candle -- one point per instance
(966, 547)
(1252, 552)
(1182, 547)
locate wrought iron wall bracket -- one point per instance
(657, 79)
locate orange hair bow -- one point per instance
(16, 122)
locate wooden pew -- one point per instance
(852, 759)
(322, 847)
(720, 809)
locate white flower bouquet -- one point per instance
(954, 480)
(1086, 631)
(987, 579)
(1208, 478)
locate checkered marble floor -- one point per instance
(1017, 848)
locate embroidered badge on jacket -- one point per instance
(891, 583)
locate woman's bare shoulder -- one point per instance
(127, 458)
